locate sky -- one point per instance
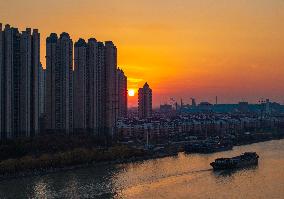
(233, 49)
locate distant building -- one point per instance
(243, 107)
(166, 108)
(267, 106)
(59, 83)
(122, 93)
(205, 106)
(193, 102)
(145, 101)
(19, 92)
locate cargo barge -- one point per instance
(244, 160)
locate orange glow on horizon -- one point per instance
(187, 48)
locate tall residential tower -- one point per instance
(80, 86)
(59, 83)
(96, 86)
(19, 65)
(121, 94)
(145, 102)
(111, 93)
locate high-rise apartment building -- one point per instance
(34, 99)
(19, 63)
(23, 84)
(111, 93)
(121, 94)
(1, 78)
(41, 91)
(80, 86)
(10, 38)
(35, 58)
(51, 62)
(59, 83)
(96, 86)
(145, 102)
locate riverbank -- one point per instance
(190, 175)
(77, 158)
(251, 138)
(43, 171)
(31, 165)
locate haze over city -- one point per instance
(183, 49)
(142, 99)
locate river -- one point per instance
(182, 176)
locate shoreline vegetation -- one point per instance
(50, 153)
(76, 158)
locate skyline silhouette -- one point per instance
(183, 49)
(141, 99)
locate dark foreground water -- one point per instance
(183, 176)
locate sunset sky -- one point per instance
(183, 48)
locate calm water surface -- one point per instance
(183, 176)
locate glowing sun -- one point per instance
(131, 92)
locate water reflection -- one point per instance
(232, 172)
(40, 189)
(183, 176)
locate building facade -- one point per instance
(35, 58)
(59, 83)
(95, 87)
(41, 91)
(25, 75)
(19, 64)
(80, 86)
(145, 102)
(111, 93)
(122, 94)
(51, 50)
(35, 99)
(1, 79)
(100, 91)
